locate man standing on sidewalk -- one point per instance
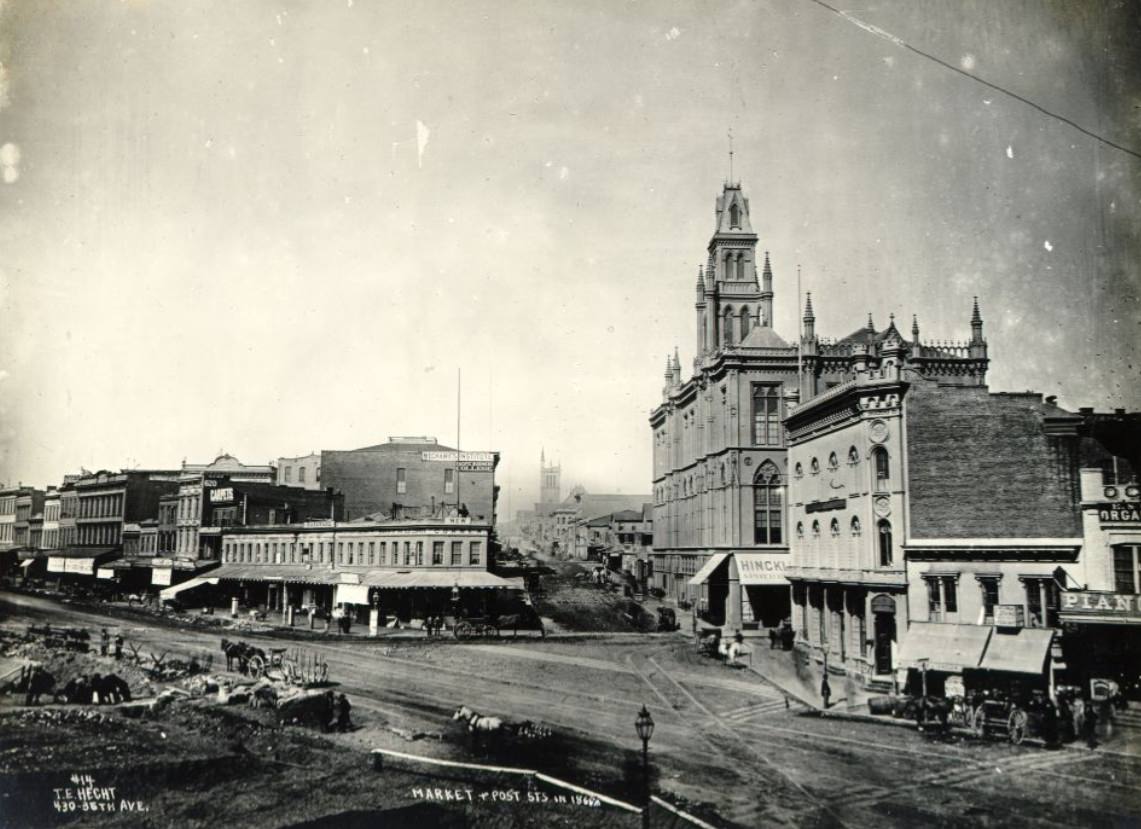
(825, 690)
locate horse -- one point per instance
(477, 723)
(241, 652)
(527, 621)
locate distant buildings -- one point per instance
(303, 471)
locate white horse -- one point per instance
(477, 723)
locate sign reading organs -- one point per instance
(1124, 512)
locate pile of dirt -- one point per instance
(574, 603)
(66, 665)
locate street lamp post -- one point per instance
(644, 725)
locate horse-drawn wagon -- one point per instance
(492, 626)
(280, 664)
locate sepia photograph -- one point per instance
(619, 413)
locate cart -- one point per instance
(291, 668)
(475, 626)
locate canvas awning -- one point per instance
(171, 592)
(762, 569)
(945, 647)
(27, 563)
(351, 594)
(478, 579)
(1024, 652)
(296, 573)
(702, 575)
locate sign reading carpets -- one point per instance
(466, 461)
(1097, 605)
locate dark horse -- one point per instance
(241, 652)
(528, 619)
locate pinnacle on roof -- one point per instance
(975, 316)
(808, 314)
(768, 271)
(700, 277)
(915, 328)
(871, 325)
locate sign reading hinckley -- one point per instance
(466, 461)
(1123, 512)
(1113, 606)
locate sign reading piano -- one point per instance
(1101, 607)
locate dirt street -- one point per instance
(725, 741)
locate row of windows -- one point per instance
(360, 553)
(301, 472)
(98, 506)
(100, 534)
(1040, 599)
(883, 536)
(880, 462)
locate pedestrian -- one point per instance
(825, 691)
(104, 642)
(328, 710)
(1089, 725)
(343, 708)
(118, 646)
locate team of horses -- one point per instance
(96, 689)
(482, 728)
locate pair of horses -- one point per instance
(240, 652)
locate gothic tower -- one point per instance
(730, 300)
(550, 480)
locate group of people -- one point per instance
(338, 708)
(342, 618)
(105, 644)
(434, 625)
(96, 689)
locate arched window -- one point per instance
(734, 216)
(745, 320)
(768, 505)
(833, 461)
(727, 326)
(815, 466)
(815, 529)
(835, 528)
(741, 267)
(800, 529)
(855, 525)
(799, 472)
(853, 456)
(880, 464)
(884, 527)
(722, 473)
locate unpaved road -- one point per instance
(721, 738)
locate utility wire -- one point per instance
(878, 32)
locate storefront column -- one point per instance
(733, 600)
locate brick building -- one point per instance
(921, 508)
(412, 476)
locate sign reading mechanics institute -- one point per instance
(1114, 607)
(466, 461)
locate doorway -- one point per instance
(885, 635)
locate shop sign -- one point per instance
(1123, 512)
(825, 506)
(83, 566)
(953, 687)
(1096, 603)
(1009, 616)
(466, 461)
(222, 494)
(319, 522)
(57, 565)
(161, 576)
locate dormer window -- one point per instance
(734, 217)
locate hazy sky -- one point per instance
(273, 227)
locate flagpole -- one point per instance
(459, 393)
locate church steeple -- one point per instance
(735, 299)
(976, 324)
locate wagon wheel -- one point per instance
(978, 722)
(1017, 724)
(464, 630)
(256, 667)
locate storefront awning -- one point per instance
(702, 575)
(762, 569)
(27, 563)
(293, 573)
(945, 647)
(1024, 652)
(351, 594)
(477, 579)
(171, 592)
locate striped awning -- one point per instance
(393, 579)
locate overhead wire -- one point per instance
(880, 33)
